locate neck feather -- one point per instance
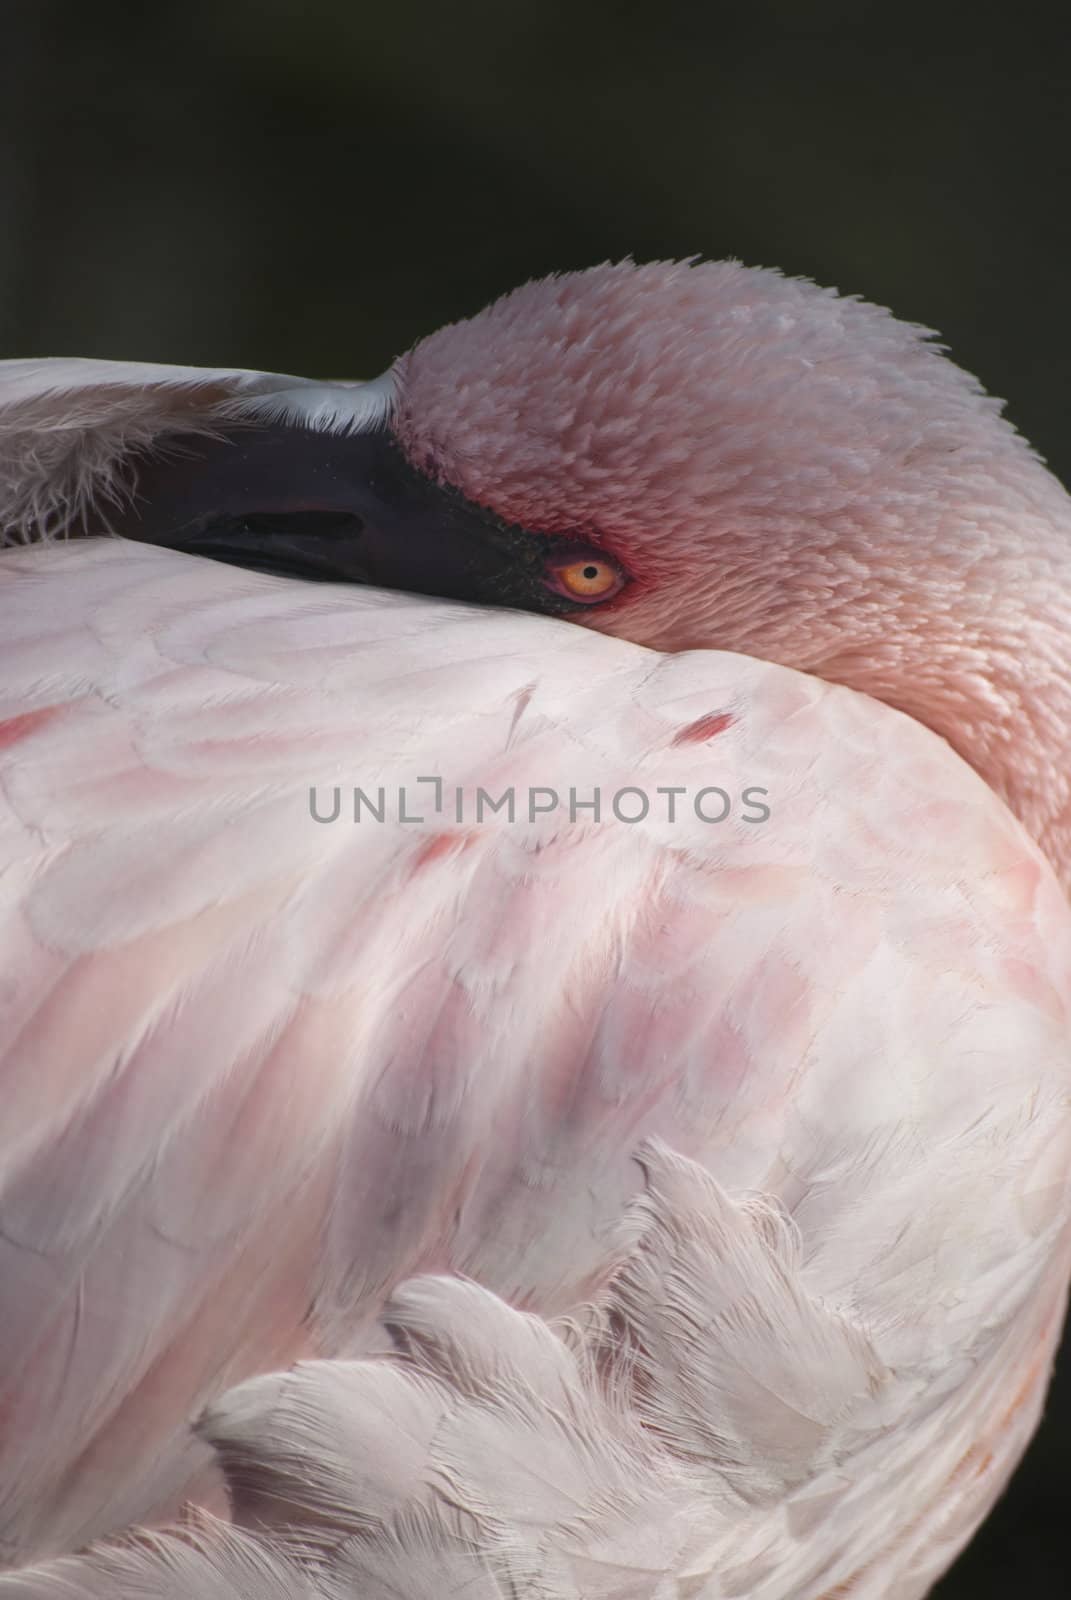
(989, 669)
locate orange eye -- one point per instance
(588, 578)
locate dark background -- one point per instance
(310, 187)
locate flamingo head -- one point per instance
(716, 456)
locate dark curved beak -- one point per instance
(340, 508)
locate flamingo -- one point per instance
(537, 1063)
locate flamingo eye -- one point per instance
(588, 576)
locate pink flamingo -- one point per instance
(644, 1174)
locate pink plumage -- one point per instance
(657, 1206)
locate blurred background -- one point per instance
(308, 187)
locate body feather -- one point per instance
(260, 1070)
(503, 1199)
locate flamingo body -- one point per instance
(493, 1106)
(260, 1070)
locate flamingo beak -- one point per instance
(336, 508)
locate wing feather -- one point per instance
(69, 428)
(672, 1438)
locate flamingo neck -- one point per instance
(990, 672)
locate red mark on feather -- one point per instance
(704, 728)
(438, 846)
(16, 728)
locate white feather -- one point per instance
(68, 429)
(628, 1453)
